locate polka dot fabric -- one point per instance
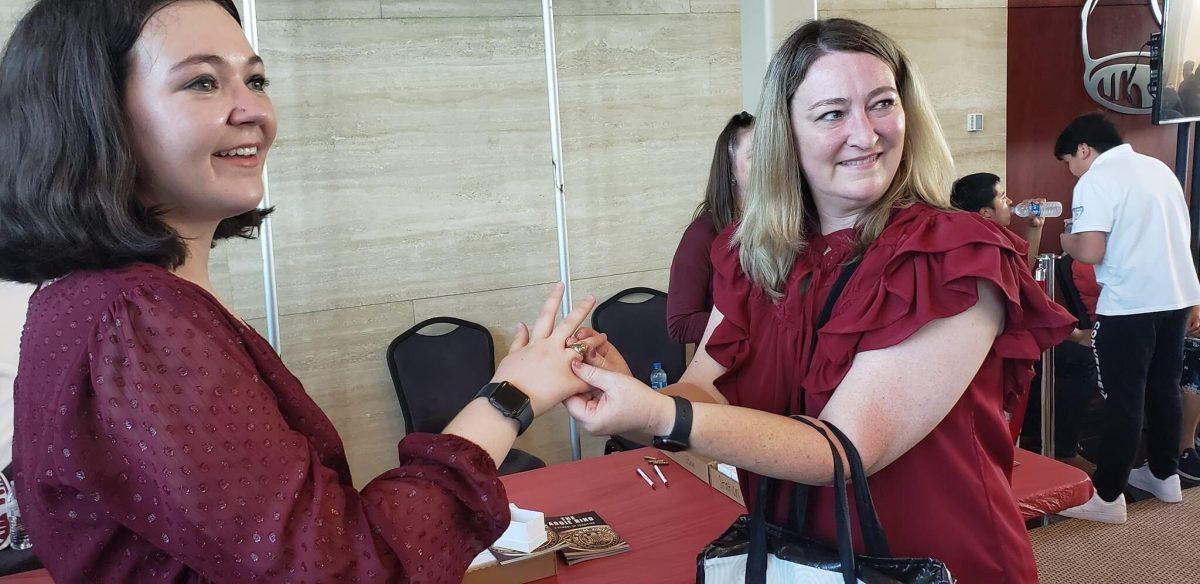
(159, 439)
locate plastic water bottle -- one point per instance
(658, 377)
(1030, 208)
(20, 537)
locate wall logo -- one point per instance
(1120, 81)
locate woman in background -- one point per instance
(689, 295)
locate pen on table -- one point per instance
(660, 475)
(645, 478)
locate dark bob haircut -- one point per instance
(68, 175)
(1092, 129)
(974, 191)
(719, 200)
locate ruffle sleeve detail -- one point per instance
(729, 343)
(925, 267)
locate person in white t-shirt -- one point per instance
(1130, 220)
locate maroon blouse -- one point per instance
(689, 294)
(158, 438)
(948, 497)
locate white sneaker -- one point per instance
(1097, 509)
(1166, 490)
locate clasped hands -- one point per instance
(579, 368)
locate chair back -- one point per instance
(437, 367)
(635, 321)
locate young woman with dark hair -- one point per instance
(158, 437)
(689, 295)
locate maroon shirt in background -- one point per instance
(158, 438)
(689, 293)
(1084, 277)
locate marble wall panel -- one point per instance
(964, 66)
(828, 6)
(605, 287)
(316, 9)
(493, 8)
(412, 159)
(237, 274)
(11, 12)
(716, 6)
(972, 3)
(460, 8)
(643, 99)
(339, 356)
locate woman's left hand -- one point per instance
(619, 404)
(600, 353)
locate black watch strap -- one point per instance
(510, 401)
(681, 432)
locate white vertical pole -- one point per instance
(765, 23)
(270, 300)
(556, 158)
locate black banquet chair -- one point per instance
(437, 367)
(635, 320)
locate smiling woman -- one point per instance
(158, 437)
(74, 141)
(934, 332)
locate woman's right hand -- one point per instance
(619, 404)
(539, 362)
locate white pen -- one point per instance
(645, 478)
(660, 475)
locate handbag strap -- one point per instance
(800, 492)
(869, 525)
(757, 551)
(873, 534)
(831, 300)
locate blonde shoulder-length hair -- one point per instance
(779, 209)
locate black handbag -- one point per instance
(753, 551)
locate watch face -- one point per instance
(509, 398)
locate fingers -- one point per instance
(521, 338)
(596, 377)
(582, 334)
(573, 320)
(594, 342)
(545, 320)
(577, 406)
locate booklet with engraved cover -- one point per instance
(580, 537)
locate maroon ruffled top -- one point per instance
(948, 497)
(160, 439)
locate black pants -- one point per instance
(1140, 359)
(1075, 388)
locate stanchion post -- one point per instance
(1047, 264)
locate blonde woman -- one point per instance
(936, 328)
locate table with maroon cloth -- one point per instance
(1044, 486)
(667, 527)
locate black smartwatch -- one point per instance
(511, 402)
(677, 440)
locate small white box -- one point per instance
(525, 532)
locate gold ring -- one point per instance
(580, 348)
